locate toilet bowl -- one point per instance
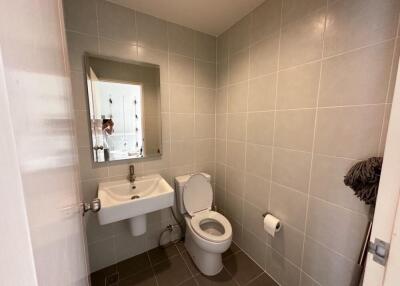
(208, 233)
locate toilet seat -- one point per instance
(210, 216)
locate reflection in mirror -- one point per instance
(125, 113)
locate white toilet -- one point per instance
(208, 233)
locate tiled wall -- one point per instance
(304, 90)
(188, 80)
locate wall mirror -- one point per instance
(124, 105)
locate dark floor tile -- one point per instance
(133, 265)
(242, 268)
(190, 282)
(232, 250)
(181, 246)
(189, 262)
(161, 254)
(263, 280)
(172, 272)
(98, 278)
(222, 278)
(144, 278)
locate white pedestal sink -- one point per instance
(121, 200)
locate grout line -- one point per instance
(274, 125)
(354, 212)
(247, 49)
(290, 149)
(264, 271)
(231, 275)
(169, 104)
(195, 115)
(331, 250)
(313, 143)
(152, 269)
(309, 276)
(394, 59)
(186, 264)
(226, 119)
(359, 48)
(310, 108)
(184, 281)
(288, 188)
(255, 278)
(233, 253)
(83, 33)
(98, 28)
(136, 33)
(286, 259)
(215, 127)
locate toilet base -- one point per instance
(208, 263)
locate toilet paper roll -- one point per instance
(271, 224)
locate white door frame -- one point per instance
(392, 275)
(387, 202)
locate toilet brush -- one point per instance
(363, 178)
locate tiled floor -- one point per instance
(173, 266)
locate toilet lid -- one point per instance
(197, 194)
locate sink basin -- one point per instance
(121, 200)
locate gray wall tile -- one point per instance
(337, 228)
(288, 205)
(325, 266)
(292, 169)
(325, 82)
(348, 131)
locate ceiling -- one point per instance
(209, 16)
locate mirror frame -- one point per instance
(86, 67)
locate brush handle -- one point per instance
(360, 267)
(364, 249)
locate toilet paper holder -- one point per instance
(265, 214)
(268, 213)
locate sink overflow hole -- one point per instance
(135, 197)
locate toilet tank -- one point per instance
(180, 181)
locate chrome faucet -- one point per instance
(132, 176)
